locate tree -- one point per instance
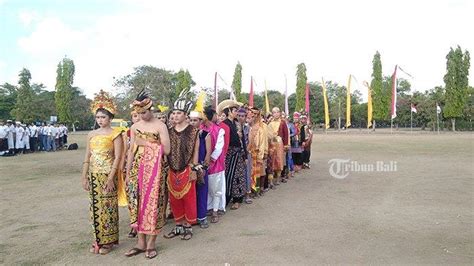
(64, 92)
(456, 80)
(237, 82)
(161, 84)
(84, 119)
(275, 99)
(43, 102)
(380, 95)
(23, 110)
(184, 81)
(301, 80)
(8, 94)
(336, 100)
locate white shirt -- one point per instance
(11, 130)
(19, 133)
(3, 131)
(34, 131)
(56, 132)
(61, 131)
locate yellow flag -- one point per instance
(369, 105)
(267, 104)
(326, 108)
(348, 103)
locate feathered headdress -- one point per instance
(182, 103)
(103, 100)
(162, 108)
(143, 102)
(199, 110)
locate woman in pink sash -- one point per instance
(149, 141)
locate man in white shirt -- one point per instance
(61, 135)
(26, 139)
(11, 137)
(50, 132)
(33, 137)
(3, 137)
(19, 135)
(65, 134)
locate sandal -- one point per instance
(204, 224)
(235, 206)
(132, 234)
(178, 230)
(105, 249)
(248, 201)
(188, 233)
(153, 251)
(214, 218)
(221, 212)
(284, 180)
(134, 251)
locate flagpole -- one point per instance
(411, 120)
(215, 92)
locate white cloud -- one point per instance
(27, 17)
(334, 39)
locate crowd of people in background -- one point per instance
(17, 138)
(186, 165)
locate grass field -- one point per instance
(420, 213)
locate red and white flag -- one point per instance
(251, 92)
(394, 93)
(413, 108)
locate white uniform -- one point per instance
(11, 139)
(34, 131)
(26, 138)
(3, 136)
(20, 132)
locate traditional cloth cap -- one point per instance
(143, 102)
(242, 110)
(18, 122)
(9, 121)
(195, 114)
(182, 103)
(227, 104)
(103, 100)
(304, 115)
(296, 115)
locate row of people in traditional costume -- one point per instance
(19, 138)
(197, 161)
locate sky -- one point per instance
(335, 39)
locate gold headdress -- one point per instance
(143, 102)
(103, 100)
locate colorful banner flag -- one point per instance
(348, 103)
(307, 102)
(267, 104)
(369, 104)
(326, 107)
(438, 109)
(413, 108)
(394, 93)
(251, 92)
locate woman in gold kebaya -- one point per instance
(99, 175)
